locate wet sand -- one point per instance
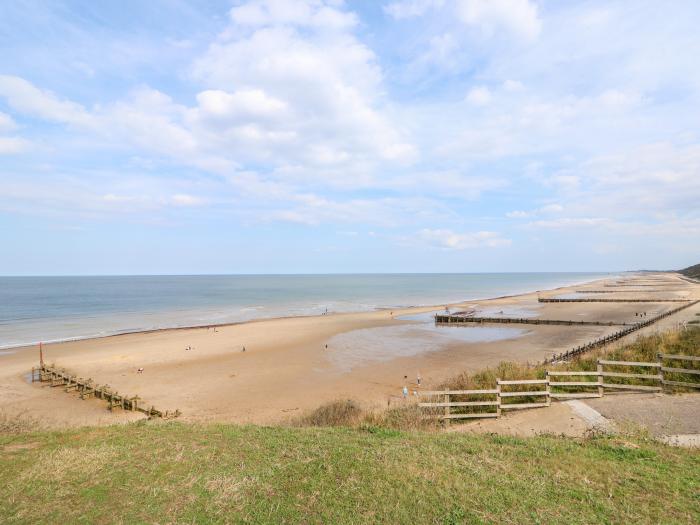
(287, 368)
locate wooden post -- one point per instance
(498, 398)
(447, 410)
(660, 360)
(549, 392)
(600, 379)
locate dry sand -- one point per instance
(286, 367)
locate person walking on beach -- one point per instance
(405, 392)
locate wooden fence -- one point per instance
(58, 377)
(538, 393)
(607, 339)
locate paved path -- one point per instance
(673, 419)
(661, 414)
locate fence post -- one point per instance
(549, 391)
(600, 379)
(661, 369)
(447, 410)
(498, 398)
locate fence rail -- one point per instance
(645, 383)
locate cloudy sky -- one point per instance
(301, 136)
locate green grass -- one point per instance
(382, 470)
(181, 473)
(644, 349)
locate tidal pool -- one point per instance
(360, 347)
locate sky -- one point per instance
(321, 136)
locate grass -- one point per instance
(342, 464)
(407, 417)
(184, 473)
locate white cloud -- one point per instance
(447, 239)
(12, 145)
(327, 80)
(26, 98)
(517, 16)
(570, 222)
(544, 210)
(304, 13)
(479, 96)
(247, 104)
(182, 199)
(411, 8)
(513, 85)
(6, 123)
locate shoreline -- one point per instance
(13, 348)
(294, 364)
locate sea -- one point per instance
(51, 309)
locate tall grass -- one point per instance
(409, 416)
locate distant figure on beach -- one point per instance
(140, 371)
(418, 379)
(326, 346)
(243, 350)
(405, 392)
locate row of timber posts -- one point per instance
(545, 392)
(87, 388)
(596, 300)
(628, 291)
(459, 319)
(602, 341)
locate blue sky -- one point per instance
(327, 136)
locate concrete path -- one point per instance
(672, 419)
(592, 417)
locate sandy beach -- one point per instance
(294, 364)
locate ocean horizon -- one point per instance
(61, 308)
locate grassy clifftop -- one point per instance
(692, 271)
(180, 473)
(171, 472)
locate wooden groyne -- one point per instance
(442, 319)
(553, 300)
(657, 284)
(605, 340)
(87, 388)
(629, 291)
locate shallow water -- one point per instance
(360, 347)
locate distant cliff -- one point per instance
(692, 271)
